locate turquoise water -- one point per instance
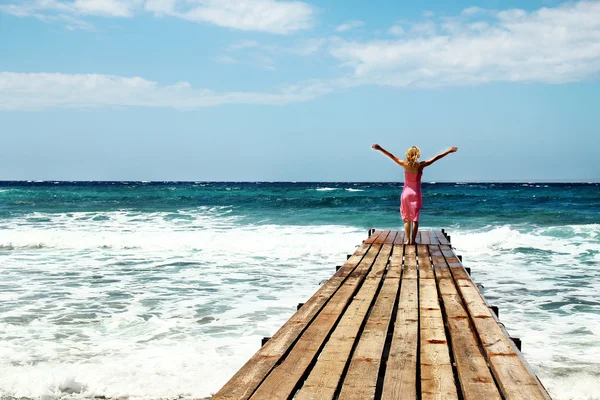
(148, 290)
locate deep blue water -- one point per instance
(356, 204)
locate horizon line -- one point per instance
(292, 181)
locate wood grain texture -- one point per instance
(425, 239)
(285, 377)
(509, 369)
(437, 376)
(400, 238)
(441, 238)
(249, 377)
(400, 381)
(382, 237)
(433, 237)
(326, 375)
(361, 379)
(474, 376)
(334, 345)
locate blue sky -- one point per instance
(298, 90)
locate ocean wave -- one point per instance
(326, 189)
(162, 321)
(354, 190)
(545, 281)
(211, 227)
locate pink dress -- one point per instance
(412, 198)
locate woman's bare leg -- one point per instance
(406, 232)
(415, 228)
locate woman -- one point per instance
(412, 198)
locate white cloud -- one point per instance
(225, 59)
(48, 8)
(349, 26)
(273, 16)
(424, 28)
(396, 30)
(280, 17)
(552, 45)
(304, 47)
(34, 91)
(243, 44)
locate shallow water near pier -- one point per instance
(164, 290)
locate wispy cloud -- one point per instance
(35, 91)
(263, 56)
(304, 47)
(272, 16)
(552, 45)
(396, 30)
(349, 26)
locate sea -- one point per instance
(163, 290)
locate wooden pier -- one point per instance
(394, 322)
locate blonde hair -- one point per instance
(412, 156)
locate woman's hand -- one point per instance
(453, 149)
(376, 147)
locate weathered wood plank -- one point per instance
(410, 261)
(442, 239)
(382, 238)
(425, 239)
(437, 377)
(474, 376)
(391, 237)
(361, 379)
(433, 237)
(285, 377)
(400, 238)
(396, 260)
(326, 375)
(248, 378)
(425, 270)
(509, 369)
(480, 347)
(371, 239)
(400, 380)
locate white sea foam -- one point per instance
(325, 189)
(354, 190)
(161, 305)
(120, 304)
(546, 283)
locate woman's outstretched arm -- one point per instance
(427, 163)
(387, 153)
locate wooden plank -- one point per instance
(391, 237)
(425, 270)
(442, 239)
(400, 238)
(437, 377)
(418, 237)
(382, 238)
(373, 237)
(285, 377)
(474, 376)
(396, 260)
(248, 378)
(361, 379)
(433, 237)
(509, 369)
(326, 375)
(400, 381)
(410, 261)
(425, 237)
